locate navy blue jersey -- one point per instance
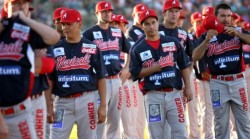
(180, 35)
(224, 54)
(110, 42)
(246, 55)
(171, 51)
(78, 66)
(134, 33)
(17, 42)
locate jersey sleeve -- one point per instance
(182, 59)
(99, 65)
(135, 66)
(36, 40)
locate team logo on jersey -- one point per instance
(109, 57)
(228, 45)
(154, 112)
(116, 32)
(64, 64)
(169, 47)
(162, 33)
(20, 31)
(108, 45)
(97, 35)
(213, 39)
(222, 60)
(145, 55)
(182, 34)
(137, 32)
(167, 60)
(59, 51)
(88, 48)
(10, 70)
(11, 51)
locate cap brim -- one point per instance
(105, 10)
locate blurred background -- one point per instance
(44, 8)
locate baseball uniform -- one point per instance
(227, 84)
(17, 76)
(163, 99)
(110, 42)
(78, 66)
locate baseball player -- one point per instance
(156, 68)
(134, 33)
(78, 74)
(206, 11)
(181, 20)
(22, 35)
(56, 20)
(169, 27)
(202, 82)
(221, 47)
(111, 41)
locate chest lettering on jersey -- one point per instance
(182, 34)
(163, 75)
(110, 57)
(20, 32)
(108, 45)
(216, 48)
(11, 51)
(165, 61)
(64, 64)
(169, 47)
(88, 48)
(222, 60)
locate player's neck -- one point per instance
(75, 39)
(103, 25)
(168, 25)
(153, 38)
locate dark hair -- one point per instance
(222, 6)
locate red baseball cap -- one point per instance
(169, 4)
(57, 12)
(70, 16)
(199, 31)
(240, 19)
(114, 18)
(246, 25)
(182, 16)
(212, 22)
(5, 1)
(196, 16)
(235, 16)
(4, 14)
(146, 14)
(102, 6)
(208, 11)
(122, 19)
(139, 8)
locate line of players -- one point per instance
(120, 98)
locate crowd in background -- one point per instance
(44, 8)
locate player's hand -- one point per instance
(101, 114)
(125, 74)
(4, 132)
(50, 114)
(210, 34)
(188, 93)
(231, 31)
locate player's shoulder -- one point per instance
(86, 41)
(60, 43)
(90, 29)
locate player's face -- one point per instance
(58, 26)
(172, 15)
(104, 16)
(180, 22)
(196, 24)
(114, 24)
(136, 17)
(123, 27)
(71, 30)
(150, 26)
(224, 16)
(21, 5)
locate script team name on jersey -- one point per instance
(11, 51)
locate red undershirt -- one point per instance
(154, 44)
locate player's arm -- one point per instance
(3, 128)
(125, 74)
(150, 70)
(48, 34)
(201, 49)
(49, 102)
(102, 93)
(243, 36)
(185, 73)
